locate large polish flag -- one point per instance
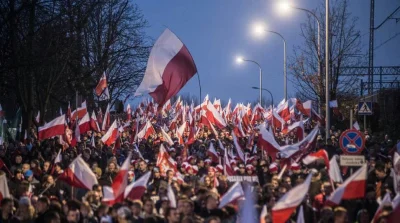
(84, 124)
(352, 188)
(79, 174)
(111, 134)
(82, 110)
(94, 125)
(4, 191)
(169, 67)
(320, 154)
(235, 192)
(136, 189)
(53, 128)
(290, 201)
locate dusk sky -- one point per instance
(217, 31)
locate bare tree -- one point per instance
(52, 49)
(345, 48)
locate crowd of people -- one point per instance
(38, 195)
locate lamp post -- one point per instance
(272, 97)
(327, 96)
(259, 29)
(240, 60)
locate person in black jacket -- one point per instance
(383, 182)
(42, 208)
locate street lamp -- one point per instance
(264, 89)
(259, 29)
(241, 60)
(283, 7)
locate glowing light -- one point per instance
(284, 6)
(239, 60)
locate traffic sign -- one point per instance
(352, 160)
(352, 142)
(365, 108)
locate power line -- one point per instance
(386, 41)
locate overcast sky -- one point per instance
(216, 31)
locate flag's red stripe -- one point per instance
(177, 72)
(52, 131)
(281, 216)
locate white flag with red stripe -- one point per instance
(284, 208)
(214, 116)
(385, 201)
(320, 154)
(238, 148)
(213, 153)
(4, 191)
(94, 125)
(267, 142)
(111, 134)
(356, 126)
(166, 137)
(107, 119)
(169, 67)
(136, 189)
(235, 192)
(53, 128)
(334, 170)
(84, 124)
(352, 188)
(79, 174)
(146, 131)
(180, 132)
(120, 182)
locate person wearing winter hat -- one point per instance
(249, 170)
(273, 168)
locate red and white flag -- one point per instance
(84, 124)
(128, 112)
(82, 110)
(214, 116)
(120, 182)
(136, 189)
(235, 192)
(307, 108)
(334, 170)
(238, 148)
(102, 88)
(1, 111)
(94, 125)
(300, 216)
(58, 158)
(284, 208)
(171, 197)
(107, 119)
(385, 201)
(53, 128)
(267, 142)
(395, 214)
(264, 213)
(4, 192)
(320, 154)
(169, 67)
(180, 132)
(228, 170)
(38, 117)
(79, 174)
(165, 162)
(111, 134)
(213, 153)
(166, 137)
(146, 131)
(356, 126)
(352, 188)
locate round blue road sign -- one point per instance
(352, 142)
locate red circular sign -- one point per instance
(352, 142)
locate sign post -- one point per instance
(365, 108)
(352, 142)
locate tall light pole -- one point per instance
(240, 60)
(327, 47)
(259, 30)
